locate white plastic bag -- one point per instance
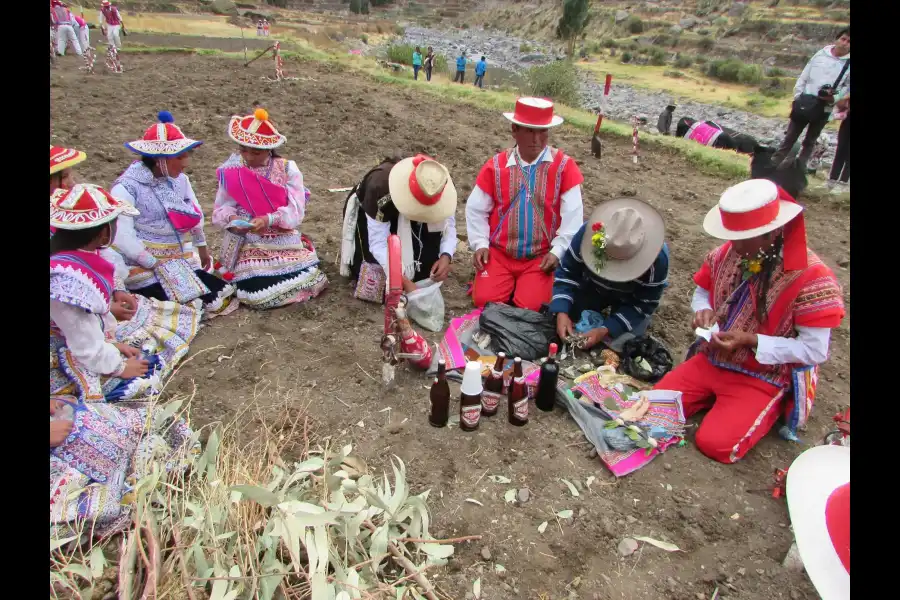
(426, 305)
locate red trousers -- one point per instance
(742, 408)
(504, 278)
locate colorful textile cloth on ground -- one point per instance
(164, 329)
(664, 420)
(109, 449)
(277, 266)
(703, 133)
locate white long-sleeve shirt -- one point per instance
(822, 69)
(480, 204)
(380, 231)
(810, 347)
(85, 339)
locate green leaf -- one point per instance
(542, 527)
(668, 547)
(257, 494)
(437, 550)
(564, 514)
(55, 544)
(610, 425)
(167, 411)
(510, 496)
(476, 589)
(499, 479)
(208, 458)
(97, 561)
(78, 569)
(572, 489)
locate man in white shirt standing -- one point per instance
(111, 21)
(523, 211)
(771, 304)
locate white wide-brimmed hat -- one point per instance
(818, 498)
(635, 233)
(534, 113)
(749, 209)
(422, 190)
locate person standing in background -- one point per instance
(460, 68)
(480, 70)
(64, 22)
(429, 63)
(664, 124)
(111, 22)
(265, 28)
(823, 73)
(417, 62)
(259, 28)
(839, 178)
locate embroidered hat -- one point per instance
(86, 205)
(64, 158)
(818, 498)
(756, 207)
(422, 190)
(163, 140)
(255, 131)
(635, 233)
(534, 113)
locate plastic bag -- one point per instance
(426, 305)
(517, 331)
(646, 349)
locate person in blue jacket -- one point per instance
(417, 63)
(460, 68)
(480, 70)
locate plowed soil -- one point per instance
(325, 354)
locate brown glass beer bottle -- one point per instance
(470, 397)
(517, 397)
(493, 388)
(440, 397)
(545, 399)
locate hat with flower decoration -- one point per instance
(64, 158)
(622, 239)
(163, 140)
(255, 131)
(86, 205)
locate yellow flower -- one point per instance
(754, 266)
(597, 238)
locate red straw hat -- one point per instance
(86, 205)
(163, 140)
(535, 113)
(255, 131)
(64, 158)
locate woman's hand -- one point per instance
(441, 269)
(123, 306)
(704, 319)
(134, 367)
(259, 223)
(59, 431)
(127, 351)
(205, 260)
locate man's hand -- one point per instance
(564, 327)
(409, 285)
(549, 263)
(441, 268)
(595, 336)
(59, 431)
(128, 351)
(480, 259)
(205, 260)
(730, 341)
(705, 319)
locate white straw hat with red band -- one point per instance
(86, 205)
(163, 140)
(422, 190)
(755, 207)
(64, 158)
(534, 113)
(255, 131)
(818, 498)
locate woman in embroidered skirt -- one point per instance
(158, 245)
(260, 204)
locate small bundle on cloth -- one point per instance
(517, 331)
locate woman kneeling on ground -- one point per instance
(158, 245)
(260, 204)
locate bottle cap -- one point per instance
(553, 349)
(517, 359)
(501, 354)
(471, 383)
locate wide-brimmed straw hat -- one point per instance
(635, 234)
(422, 190)
(64, 158)
(534, 113)
(86, 205)
(255, 131)
(818, 498)
(749, 209)
(163, 139)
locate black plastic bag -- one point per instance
(651, 350)
(517, 331)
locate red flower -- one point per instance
(597, 226)
(228, 276)
(217, 265)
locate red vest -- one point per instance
(526, 201)
(111, 15)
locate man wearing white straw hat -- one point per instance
(523, 211)
(619, 261)
(771, 304)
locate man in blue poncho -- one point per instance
(480, 70)
(460, 68)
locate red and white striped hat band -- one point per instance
(255, 131)
(163, 140)
(64, 158)
(534, 113)
(86, 205)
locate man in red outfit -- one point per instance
(775, 303)
(523, 212)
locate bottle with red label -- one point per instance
(470, 397)
(493, 388)
(517, 396)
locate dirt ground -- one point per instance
(325, 353)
